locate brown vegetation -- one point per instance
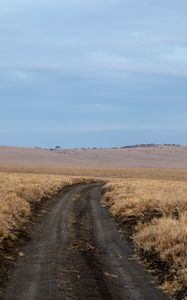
(157, 214)
(151, 204)
(19, 192)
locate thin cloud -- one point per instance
(102, 66)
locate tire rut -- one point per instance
(87, 254)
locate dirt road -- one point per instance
(76, 252)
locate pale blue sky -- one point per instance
(81, 73)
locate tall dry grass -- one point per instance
(159, 213)
(19, 192)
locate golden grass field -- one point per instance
(158, 211)
(152, 201)
(157, 207)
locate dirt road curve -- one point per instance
(76, 252)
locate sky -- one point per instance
(92, 73)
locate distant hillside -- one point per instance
(149, 146)
(137, 156)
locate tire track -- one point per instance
(76, 252)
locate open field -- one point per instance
(154, 214)
(161, 162)
(145, 191)
(160, 157)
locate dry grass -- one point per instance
(119, 173)
(18, 192)
(136, 197)
(157, 206)
(168, 237)
(159, 210)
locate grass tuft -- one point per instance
(158, 209)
